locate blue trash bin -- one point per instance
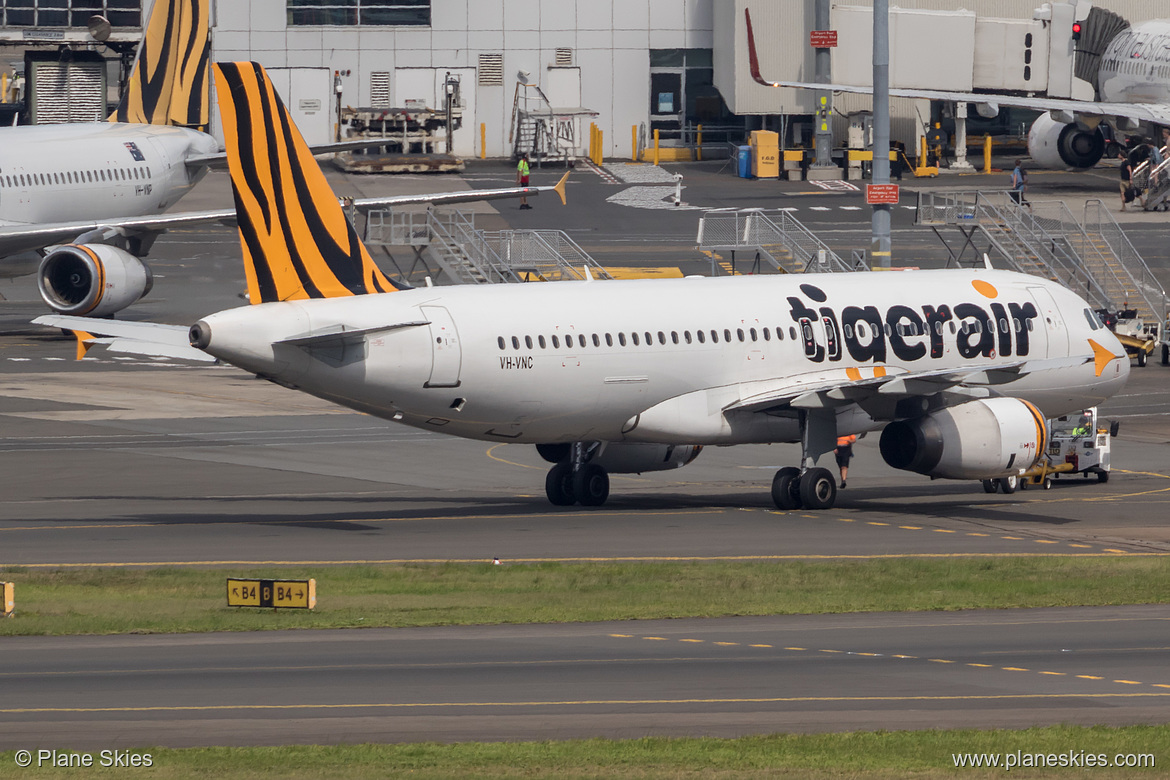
(744, 160)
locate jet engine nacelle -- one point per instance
(629, 457)
(1053, 144)
(984, 439)
(92, 279)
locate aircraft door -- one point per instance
(1050, 320)
(448, 357)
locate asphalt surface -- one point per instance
(722, 677)
(120, 460)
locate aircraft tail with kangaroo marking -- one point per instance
(296, 240)
(169, 84)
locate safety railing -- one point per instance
(760, 230)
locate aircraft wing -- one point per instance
(20, 237)
(840, 387)
(136, 338)
(219, 159)
(1158, 113)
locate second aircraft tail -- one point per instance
(169, 83)
(296, 239)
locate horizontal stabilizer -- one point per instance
(137, 338)
(345, 335)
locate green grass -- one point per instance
(855, 756)
(119, 600)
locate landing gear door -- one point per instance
(448, 357)
(1049, 320)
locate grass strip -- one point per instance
(118, 600)
(855, 755)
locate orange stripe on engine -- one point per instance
(1041, 431)
(100, 285)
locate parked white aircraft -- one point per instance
(94, 194)
(961, 367)
(1133, 84)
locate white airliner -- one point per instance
(94, 193)
(960, 367)
(1133, 86)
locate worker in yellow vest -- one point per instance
(522, 178)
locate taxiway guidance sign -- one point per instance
(823, 39)
(275, 594)
(881, 193)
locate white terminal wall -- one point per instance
(610, 39)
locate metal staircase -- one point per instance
(1091, 256)
(1155, 182)
(465, 255)
(775, 237)
(542, 131)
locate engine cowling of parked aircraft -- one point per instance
(629, 457)
(984, 439)
(1056, 145)
(92, 279)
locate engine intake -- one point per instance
(1052, 144)
(92, 279)
(993, 437)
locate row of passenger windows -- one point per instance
(864, 330)
(76, 177)
(646, 337)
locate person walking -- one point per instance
(522, 171)
(844, 453)
(1019, 183)
(1126, 171)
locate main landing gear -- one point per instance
(813, 487)
(575, 480)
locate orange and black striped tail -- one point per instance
(169, 84)
(297, 242)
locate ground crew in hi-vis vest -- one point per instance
(522, 178)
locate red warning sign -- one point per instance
(881, 193)
(823, 39)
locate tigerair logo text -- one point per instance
(511, 363)
(868, 334)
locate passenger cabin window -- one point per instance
(556, 342)
(714, 336)
(608, 340)
(634, 338)
(674, 336)
(661, 337)
(687, 336)
(699, 335)
(739, 332)
(500, 341)
(622, 339)
(596, 340)
(528, 341)
(515, 343)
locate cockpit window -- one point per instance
(1094, 322)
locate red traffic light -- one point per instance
(1076, 35)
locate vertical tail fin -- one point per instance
(297, 242)
(169, 83)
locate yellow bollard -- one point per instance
(987, 153)
(922, 154)
(3, 87)
(483, 140)
(655, 146)
(600, 146)
(699, 144)
(634, 143)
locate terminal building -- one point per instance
(628, 66)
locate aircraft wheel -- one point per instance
(1141, 356)
(558, 485)
(1024, 483)
(990, 486)
(818, 489)
(1102, 476)
(591, 485)
(1008, 485)
(1047, 483)
(785, 485)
